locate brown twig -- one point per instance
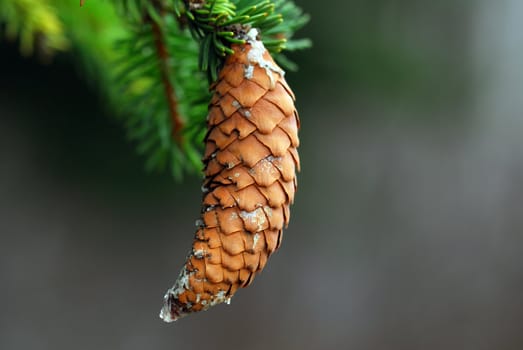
(165, 70)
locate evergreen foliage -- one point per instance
(34, 23)
(150, 58)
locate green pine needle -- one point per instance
(220, 19)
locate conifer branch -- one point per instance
(218, 24)
(150, 58)
(166, 72)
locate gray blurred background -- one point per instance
(406, 232)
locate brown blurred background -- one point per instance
(407, 229)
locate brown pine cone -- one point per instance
(250, 179)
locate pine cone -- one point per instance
(250, 180)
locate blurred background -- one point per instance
(406, 232)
